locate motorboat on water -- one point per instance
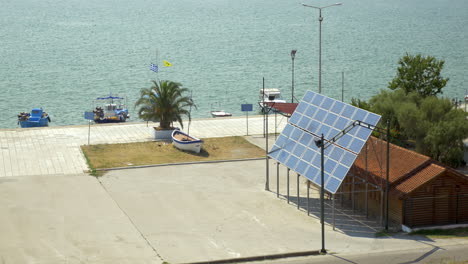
(110, 109)
(37, 118)
(184, 141)
(269, 95)
(219, 113)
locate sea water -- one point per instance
(62, 54)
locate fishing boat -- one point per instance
(183, 141)
(269, 95)
(110, 109)
(37, 118)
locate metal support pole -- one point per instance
(322, 190)
(288, 182)
(89, 130)
(352, 194)
(388, 175)
(276, 114)
(333, 202)
(263, 107)
(367, 185)
(342, 86)
(267, 182)
(247, 121)
(308, 196)
(456, 207)
(381, 207)
(293, 55)
(320, 53)
(298, 191)
(277, 179)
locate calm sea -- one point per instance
(61, 54)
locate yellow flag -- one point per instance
(167, 64)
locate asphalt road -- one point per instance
(437, 255)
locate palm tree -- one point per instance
(164, 102)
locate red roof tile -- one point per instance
(402, 161)
(286, 108)
(419, 178)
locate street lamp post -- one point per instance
(293, 55)
(320, 39)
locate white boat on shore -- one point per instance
(186, 142)
(269, 95)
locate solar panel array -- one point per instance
(317, 114)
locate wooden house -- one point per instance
(422, 191)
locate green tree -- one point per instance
(419, 74)
(418, 117)
(444, 139)
(361, 103)
(165, 102)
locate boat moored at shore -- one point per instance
(269, 95)
(110, 109)
(37, 118)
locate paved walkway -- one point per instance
(56, 150)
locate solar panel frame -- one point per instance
(317, 114)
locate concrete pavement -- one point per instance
(56, 150)
(179, 213)
(50, 219)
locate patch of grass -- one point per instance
(92, 170)
(443, 233)
(147, 153)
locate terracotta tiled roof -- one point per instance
(421, 177)
(408, 169)
(402, 161)
(286, 108)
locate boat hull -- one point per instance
(220, 114)
(43, 122)
(191, 144)
(110, 120)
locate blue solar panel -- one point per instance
(301, 108)
(317, 114)
(304, 121)
(310, 111)
(299, 150)
(337, 108)
(291, 162)
(356, 145)
(363, 133)
(318, 98)
(330, 119)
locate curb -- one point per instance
(176, 164)
(260, 258)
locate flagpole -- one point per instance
(190, 114)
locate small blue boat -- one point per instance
(37, 118)
(110, 109)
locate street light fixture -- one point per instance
(320, 39)
(293, 55)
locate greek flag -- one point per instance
(154, 67)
